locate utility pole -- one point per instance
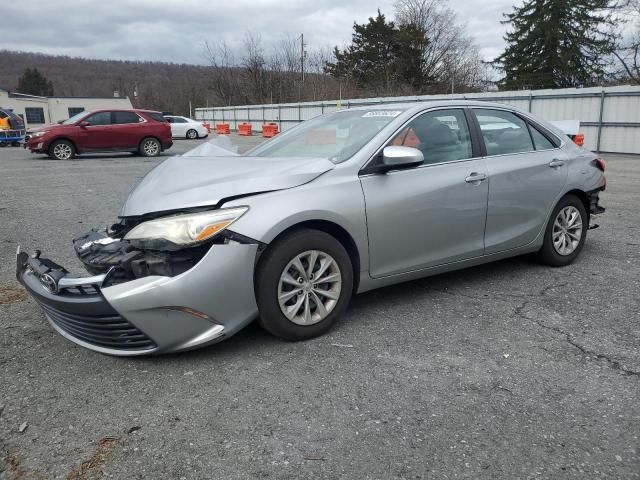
(453, 74)
(302, 55)
(301, 65)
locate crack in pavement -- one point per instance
(615, 364)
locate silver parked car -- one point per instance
(343, 203)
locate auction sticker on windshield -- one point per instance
(382, 113)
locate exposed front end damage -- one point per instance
(140, 301)
(100, 253)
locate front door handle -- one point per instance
(555, 163)
(476, 178)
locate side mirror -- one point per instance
(399, 158)
(84, 124)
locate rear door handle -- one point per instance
(476, 178)
(555, 163)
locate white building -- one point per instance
(41, 110)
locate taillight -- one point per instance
(579, 139)
(599, 164)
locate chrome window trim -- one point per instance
(399, 129)
(419, 167)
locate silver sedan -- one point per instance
(344, 203)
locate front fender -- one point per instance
(329, 198)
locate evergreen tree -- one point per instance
(557, 44)
(381, 57)
(32, 82)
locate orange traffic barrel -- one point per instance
(223, 129)
(244, 129)
(269, 130)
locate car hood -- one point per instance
(185, 182)
(49, 127)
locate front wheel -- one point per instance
(303, 285)
(192, 134)
(62, 150)
(150, 147)
(566, 232)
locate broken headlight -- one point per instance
(185, 229)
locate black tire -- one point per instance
(62, 150)
(549, 254)
(272, 265)
(150, 147)
(192, 134)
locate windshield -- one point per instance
(75, 118)
(336, 136)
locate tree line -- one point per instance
(156, 85)
(422, 49)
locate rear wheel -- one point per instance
(62, 150)
(150, 147)
(192, 134)
(566, 232)
(303, 284)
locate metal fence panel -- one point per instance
(610, 116)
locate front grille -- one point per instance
(104, 331)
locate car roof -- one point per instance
(121, 110)
(421, 105)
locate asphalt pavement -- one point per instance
(509, 370)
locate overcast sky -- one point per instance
(175, 30)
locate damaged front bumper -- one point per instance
(154, 314)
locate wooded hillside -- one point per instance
(161, 86)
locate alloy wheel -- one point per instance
(567, 230)
(309, 287)
(62, 151)
(150, 148)
(192, 134)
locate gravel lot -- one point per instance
(509, 370)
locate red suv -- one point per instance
(138, 131)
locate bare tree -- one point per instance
(254, 72)
(224, 72)
(319, 85)
(628, 54)
(450, 56)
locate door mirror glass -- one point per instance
(84, 124)
(398, 158)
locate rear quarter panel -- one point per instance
(582, 174)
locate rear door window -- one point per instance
(125, 117)
(503, 132)
(441, 136)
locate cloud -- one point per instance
(175, 30)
